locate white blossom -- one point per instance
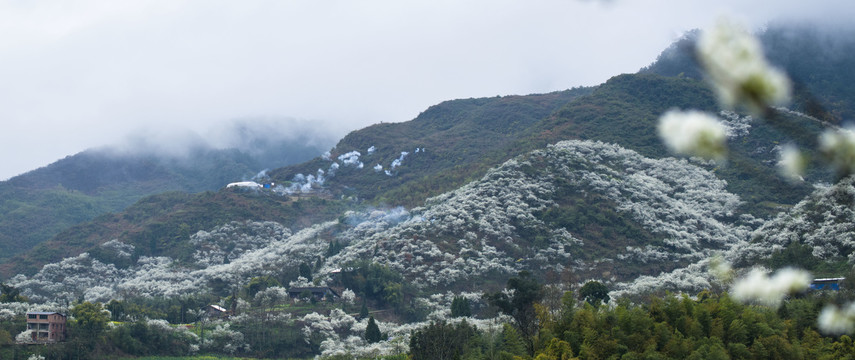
(835, 321)
(351, 158)
(738, 70)
(792, 163)
(758, 287)
(838, 147)
(348, 296)
(25, 336)
(693, 133)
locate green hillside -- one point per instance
(461, 140)
(161, 224)
(37, 205)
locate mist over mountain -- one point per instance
(816, 57)
(37, 205)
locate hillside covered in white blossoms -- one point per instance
(535, 212)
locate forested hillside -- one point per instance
(39, 204)
(444, 147)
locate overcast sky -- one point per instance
(81, 74)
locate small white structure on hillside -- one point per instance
(249, 184)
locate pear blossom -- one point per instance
(721, 269)
(693, 133)
(834, 320)
(792, 163)
(770, 291)
(734, 61)
(838, 148)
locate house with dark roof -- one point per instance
(317, 292)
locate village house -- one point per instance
(317, 292)
(46, 326)
(217, 312)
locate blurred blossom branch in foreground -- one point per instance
(757, 287)
(838, 149)
(834, 320)
(721, 269)
(734, 62)
(792, 163)
(694, 133)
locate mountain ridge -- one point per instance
(456, 142)
(39, 204)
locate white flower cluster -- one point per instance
(271, 297)
(343, 334)
(758, 287)
(162, 276)
(690, 279)
(13, 309)
(734, 124)
(225, 340)
(693, 132)
(236, 238)
(482, 228)
(351, 159)
(825, 220)
(792, 163)
(70, 279)
(476, 229)
(838, 147)
(118, 248)
(734, 62)
(304, 183)
(835, 321)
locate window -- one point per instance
(31, 316)
(43, 317)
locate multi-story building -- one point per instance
(46, 326)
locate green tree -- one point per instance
(260, 283)
(442, 341)
(89, 319)
(9, 293)
(556, 350)
(594, 292)
(5, 338)
(526, 291)
(460, 307)
(306, 271)
(372, 331)
(363, 312)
